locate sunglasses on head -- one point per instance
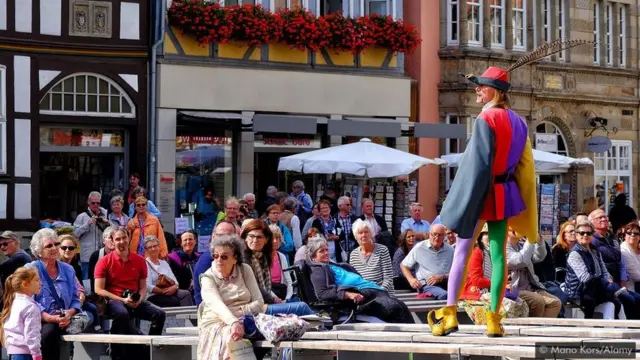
(65, 248)
(221, 257)
(50, 246)
(584, 233)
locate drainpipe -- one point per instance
(159, 16)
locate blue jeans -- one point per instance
(630, 302)
(294, 308)
(20, 357)
(92, 311)
(85, 270)
(438, 292)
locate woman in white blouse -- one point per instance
(631, 254)
(164, 293)
(371, 260)
(281, 283)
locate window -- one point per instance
(381, 7)
(550, 139)
(623, 34)
(204, 172)
(496, 8)
(596, 33)
(453, 29)
(474, 21)
(561, 32)
(3, 120)
(89, 95)
(456, 146)
(519, 23)
(288, 4)
(546, 15)
(609, 33)
(613, 173)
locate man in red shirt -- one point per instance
(121, 277)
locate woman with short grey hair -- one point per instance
(371, 260)
(230, 293)
(162, 285)
(333, 282)
(116, 216)
(38, 239)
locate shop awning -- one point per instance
(212, 115)
(440, 131)
(365, 127)
(290, 124)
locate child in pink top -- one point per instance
(20, 331)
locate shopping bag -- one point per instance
(281, 327)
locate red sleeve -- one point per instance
(100, 271)
(475, 270)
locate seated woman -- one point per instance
(69, 247)
(588, 280)
(183, 259)
(229, 293)
(259, 254)
(564, 242)
(163, 293)
(338, 282)
(371, 260)
(273, 218)
(281, 283)
(406, 240)
(475, 296)
(58, 297)
(301, 254)
(631, 254)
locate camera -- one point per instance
(131, 294)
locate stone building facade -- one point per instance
(560, 96)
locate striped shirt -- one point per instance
(375, 267)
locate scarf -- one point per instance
(261, 270)
(487, 267)
(328, 227)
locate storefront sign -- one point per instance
(547, 142)
(276, 142)
(166, 194)
(598, 144)
(80, 137)
(190, 142)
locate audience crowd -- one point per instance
(126, 267)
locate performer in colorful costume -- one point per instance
(495, 184)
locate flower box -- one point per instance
(240, 50)
(342, 58)
(283, 53)
(377, 57)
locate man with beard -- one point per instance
(121, 277)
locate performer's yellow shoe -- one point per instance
(443, 321)
(494, 328)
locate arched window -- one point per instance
(550, 139)
(87, 95)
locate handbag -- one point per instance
(281, 327)
(99, 301)
(80, 321)
(163, 280)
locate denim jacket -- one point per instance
(65, 285)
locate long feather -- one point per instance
(547, 49)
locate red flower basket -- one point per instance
(300, 29)
(206, 22)
(252, 24)
(346, 34)
(393, 35)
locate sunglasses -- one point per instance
(4, 244)
(51, 246)
(584, 233)
(141, 205)
(65, 248)
(221, 257)
(633, 233)
(94, 203)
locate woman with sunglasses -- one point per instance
(631, 254)
(587, 277)
(230, 296)
(59, 302)
(69, 248)
(142, 225)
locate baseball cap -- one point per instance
(10, 235)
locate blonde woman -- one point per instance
(281, 283)
(70, 253)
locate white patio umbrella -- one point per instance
(363, 158)
(544, 161)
